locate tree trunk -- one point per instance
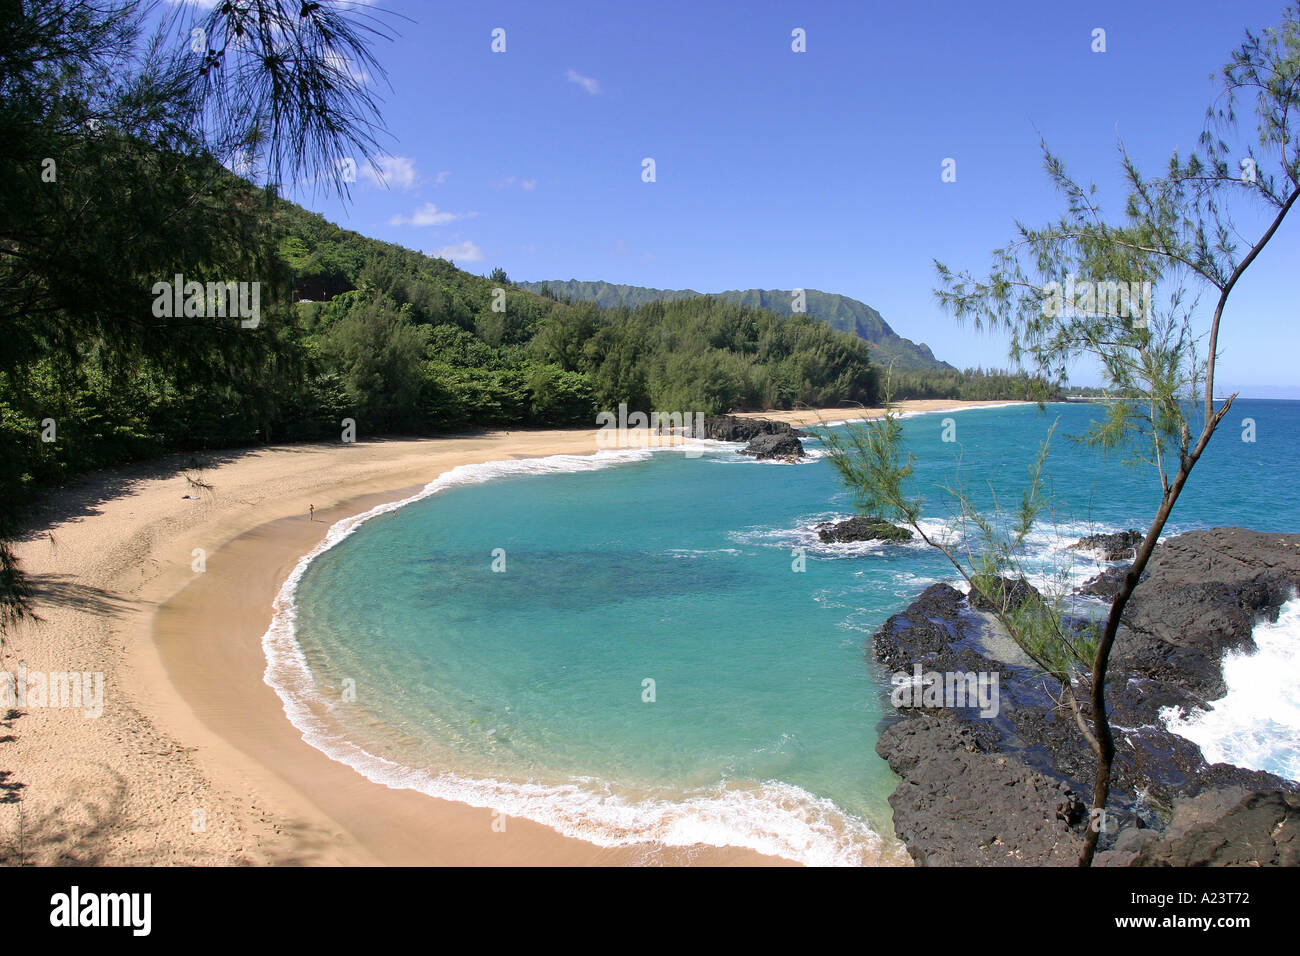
(1100, 721)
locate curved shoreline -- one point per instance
(193, 761)
(224, 685)
(752, 816)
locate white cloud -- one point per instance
(463, 251)
(507, 182)
(390, 171)
(442, 177)
(586, 82)
(339, 64)
(429, 215)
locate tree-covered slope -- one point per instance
(356, 328)
(837, 311)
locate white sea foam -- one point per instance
(1257, 723)
(1049, 563)
(1045, 557)
(772, 817)
(775, 818)
(804, 535)
(701, 445)
(731, 456)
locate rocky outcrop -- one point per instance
(1117, 546)
(1202, 595)
(960, 804)
(783, 446)
(1011, 594)
(1232, 827)
(932, 632)
(1013, 788)
(1106, 584)
(734, 428)
(861, 528)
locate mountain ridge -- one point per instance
(839, 311)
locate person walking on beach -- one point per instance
(311, 512)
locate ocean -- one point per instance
(650, 646)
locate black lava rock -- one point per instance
(784, 446)
(732, 428)
(1119, 546)
(861, 528)
(1014, 788)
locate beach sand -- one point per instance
(809, 417)
(192, 760)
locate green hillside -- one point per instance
(837, 311)
(355, 328)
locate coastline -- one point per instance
(811, 417)
(193, 760)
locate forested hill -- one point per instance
(494, 352)
(837, 311)
(355, 328)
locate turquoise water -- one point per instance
(526, 688)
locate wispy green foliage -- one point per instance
(283, 87)
(110, 181)
(868, 457)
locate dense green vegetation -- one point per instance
(409, 344)
(418, 344)
(837, 311)
(971, 385)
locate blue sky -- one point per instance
(778, 169)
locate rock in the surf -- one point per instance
(1116, 546)
(1107, 583)
(861, 528)
(1011, 594)
(784, 447)
(734, 428)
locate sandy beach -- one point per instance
(161, 578)
(811, 417)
